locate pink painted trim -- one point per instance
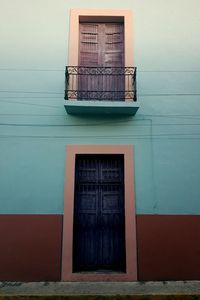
(130, 223)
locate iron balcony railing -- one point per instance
(100, 83)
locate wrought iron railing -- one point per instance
(100, 83)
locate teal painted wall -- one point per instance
(35, 129)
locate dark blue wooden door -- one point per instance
(99, 222)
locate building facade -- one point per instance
(103, 184)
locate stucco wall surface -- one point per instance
(35, 129)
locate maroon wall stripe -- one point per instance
(30, 247)
(168, 247)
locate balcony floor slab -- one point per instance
(101, 107)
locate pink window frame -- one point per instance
(130, 222)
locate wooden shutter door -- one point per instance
(89, 56)
(101, 45)
(89, 44)
(114, 45)
(114, 57)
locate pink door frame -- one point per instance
(96, 15)
(130, 223)
(100, 15)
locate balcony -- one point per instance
(101, 90)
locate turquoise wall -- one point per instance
(35, 129)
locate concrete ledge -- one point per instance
(103, 297)
(101, 107)
(100, 290)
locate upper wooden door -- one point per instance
(99, 221)
(102, 45)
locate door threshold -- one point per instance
(100, 272)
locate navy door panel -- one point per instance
(85, 226)
(99, 232)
